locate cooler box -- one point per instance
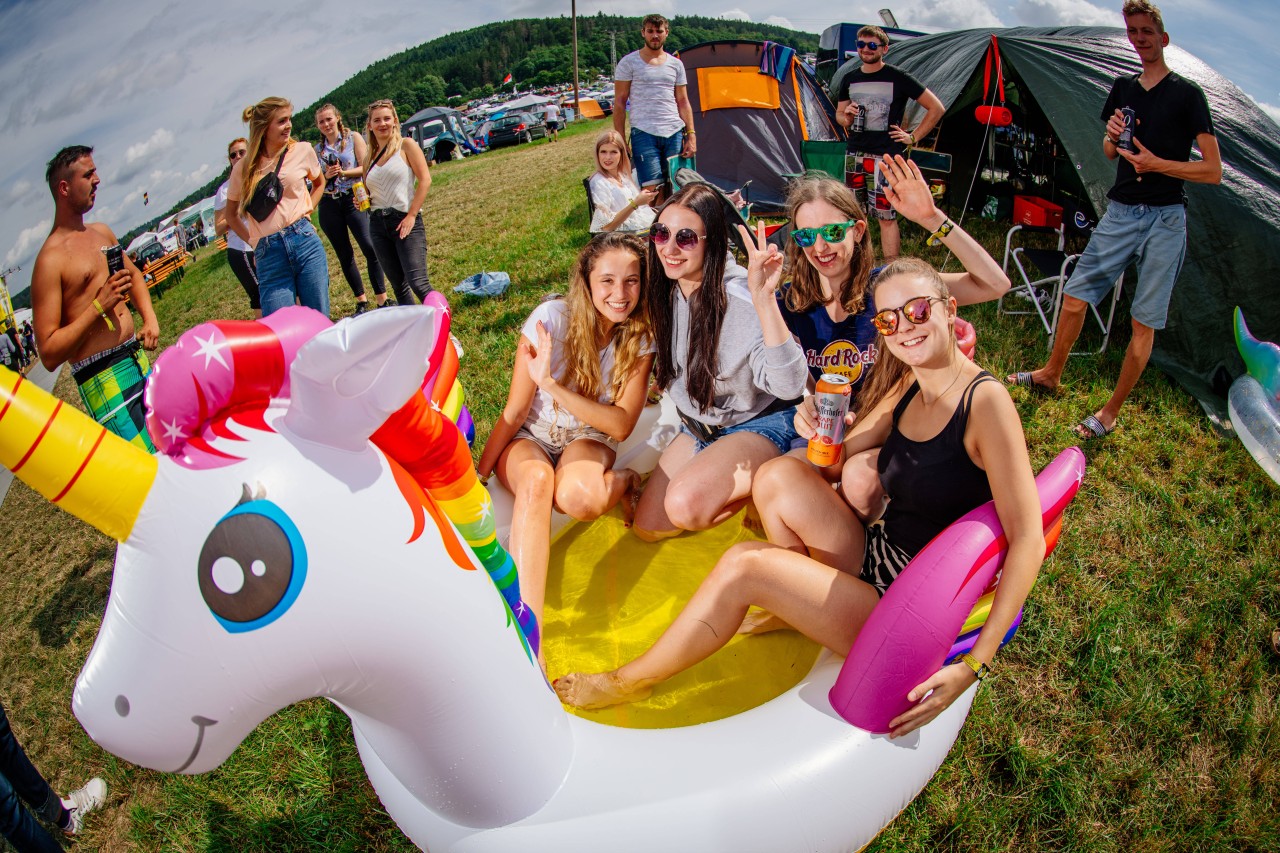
(1029, 210)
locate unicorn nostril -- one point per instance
(122, 705)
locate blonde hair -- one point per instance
(343, 131)
(806, 288)
(612, 137)
(890, 371)
(1144, 7)
(393, 147)
(259, 118)
(630, 337)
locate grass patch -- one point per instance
(1135, 711)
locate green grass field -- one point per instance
(1136, 710)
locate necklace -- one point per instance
(954, 380)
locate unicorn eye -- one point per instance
(252, 566)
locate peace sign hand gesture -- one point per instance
(764, 264)
(906, 189)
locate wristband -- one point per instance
(102, 312)
(1106, 137)
(944, 229)
(484, 481)
(980, 669)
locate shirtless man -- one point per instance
(79, 311)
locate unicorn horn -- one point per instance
(72, 460)
(1261, 358)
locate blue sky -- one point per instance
(157, 87)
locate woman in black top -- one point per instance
(951, 440)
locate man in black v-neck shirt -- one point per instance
(1146, 218)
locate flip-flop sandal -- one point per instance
(1022, 379)
(1094, 429)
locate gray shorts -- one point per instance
(553, 439)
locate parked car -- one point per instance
(514, 128)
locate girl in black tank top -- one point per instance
(933, 482)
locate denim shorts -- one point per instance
(650, 153)
(779, 427)
(1154, 237)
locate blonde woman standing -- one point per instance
(342, 154)
(398, 180)
(290, 258)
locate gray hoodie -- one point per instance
(752, 375)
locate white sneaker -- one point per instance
(82, 801)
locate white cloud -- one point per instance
(735, 15)
(1051, 13)
(778, 21)
(18, 190)
(28, 240)
(159, 141)
(1271, 110)
(951, 15)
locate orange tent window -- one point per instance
(737, 86)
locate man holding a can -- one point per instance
(1152, 119)
(872, 100)
(78, 291)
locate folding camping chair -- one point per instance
(1045, 294)
(591, 202)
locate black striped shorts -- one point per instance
(884, 561)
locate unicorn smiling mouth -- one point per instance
(201, 724)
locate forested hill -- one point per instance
(470, 64)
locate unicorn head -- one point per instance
(278, 550)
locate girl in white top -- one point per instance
(620, 204)
(578, 387)
(239, 253)
(398, 179)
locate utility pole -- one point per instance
(577, 106)
(613, 48)
(6, 303)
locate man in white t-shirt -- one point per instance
(651, 84)
(552, 113)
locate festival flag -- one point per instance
(507, 79)
(145, 199)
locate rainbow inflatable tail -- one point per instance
(1261, 358)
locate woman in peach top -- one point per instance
(289, 255)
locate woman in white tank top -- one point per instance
(398, 180)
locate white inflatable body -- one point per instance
(465, 743)
(1255, 414)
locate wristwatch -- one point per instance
(980, 669)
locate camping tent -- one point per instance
(1057, 80)
(199, 218)
(441, 132)
(753, 104)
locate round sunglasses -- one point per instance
(916, 312)
(833, 233)
(686, 238)
(236, 155)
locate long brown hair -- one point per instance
(258, 117)
(890, 371)
(806, 289)
(707, 305)
(581, 345)
(612, 137)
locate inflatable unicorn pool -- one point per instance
(236, 592)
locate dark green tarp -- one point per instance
(1233, 255)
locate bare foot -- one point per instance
(759, 621)
(597, 690)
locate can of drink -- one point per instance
(360, 195)
(859, 123)
(831, 397)
(1126, 136)
(115, 258)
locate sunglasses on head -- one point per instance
(686, 238)
(868, 45)
(916, 312)
(833, 233)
